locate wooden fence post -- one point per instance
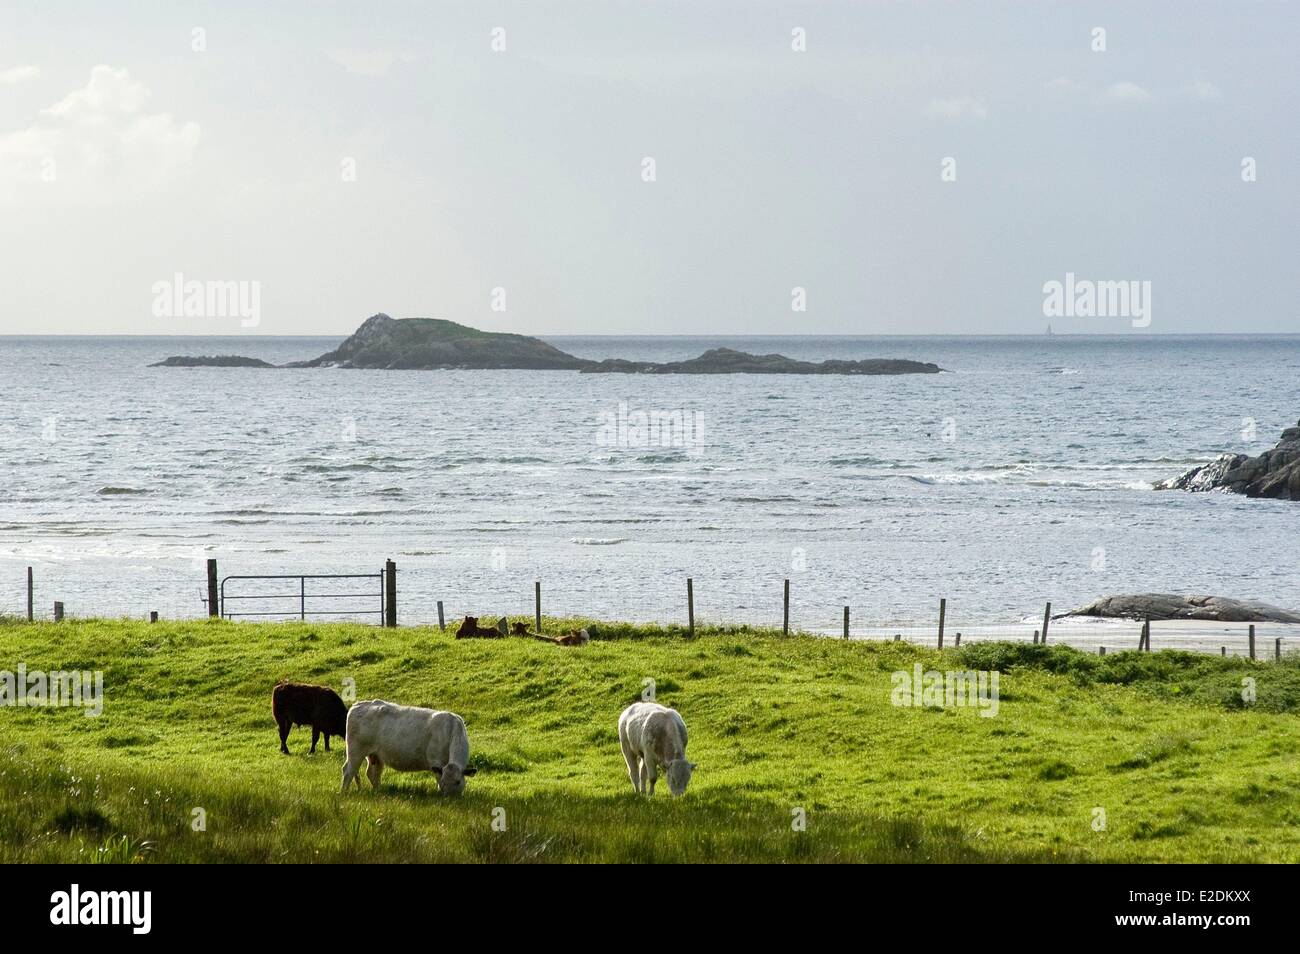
(898, 637)
(1223, 650)
(153, 616)
(1144, 641)
(846, 622)
(442, 623)
(30, 615)
(943, 609)
(690, 607)
(785, 611)
(957, 641)
(1035, 637)
(390, 593)
(1101, 650)
(1047, 618)
(213, 608)
(1277, 649)
(1252, 640)
(537, 606)
(58, 612)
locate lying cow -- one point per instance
(652, 736)
(295, 703)
(470, 629)
(407, 739)
(571, 638)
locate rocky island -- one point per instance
(1274, 473)
(1157, 606)
(421, 344)
(212, 361)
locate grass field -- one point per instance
(1162, 742)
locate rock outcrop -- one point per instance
(729, 361)
(1173, 606)
(1274, 473)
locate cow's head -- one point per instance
(679, 775)
(468, 628)
(451, 778)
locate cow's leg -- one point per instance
(327, 741)
(315, 737)
(647, 776)
(352, 766)
(284, 736)
(633, 770)
(374, 770)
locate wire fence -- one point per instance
(179, 591)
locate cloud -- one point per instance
(18, 74)
(958, 107)
(368, 62)
(1125, 93)
(99, 136)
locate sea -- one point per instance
(1022, 474)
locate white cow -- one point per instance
(406, 739)
(652, 736)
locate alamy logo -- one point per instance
(134, 908)
(179, 298)
(932, 689)
(1085, 298)
(35, 689)
(653, 428)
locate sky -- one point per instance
(646, 167)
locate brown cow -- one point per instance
(470, 629)
(296, 703)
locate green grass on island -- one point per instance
(1163, 743)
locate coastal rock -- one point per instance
(211, 361)
(730, 361)
(1274, 473)
(1173, 606)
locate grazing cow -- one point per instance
(407, 739)
(470, 629)
(296, 703)
(652, 736)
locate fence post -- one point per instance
(1101, 650)
(1144, 641)
(1252, 640)
(537, 606)
(957, 641)
(1035, 637)
(153, 616)
(30, 616)
(302, 598)
(213, 608)
(390, 593)
(442, 624)
(58, 612)
(785, 611)
(846, 622)
(1047, 618)
(690, 607)
(1277, 649)
(943, 609)
(1223, 650)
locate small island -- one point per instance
(426, 344)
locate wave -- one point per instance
(597, 541)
